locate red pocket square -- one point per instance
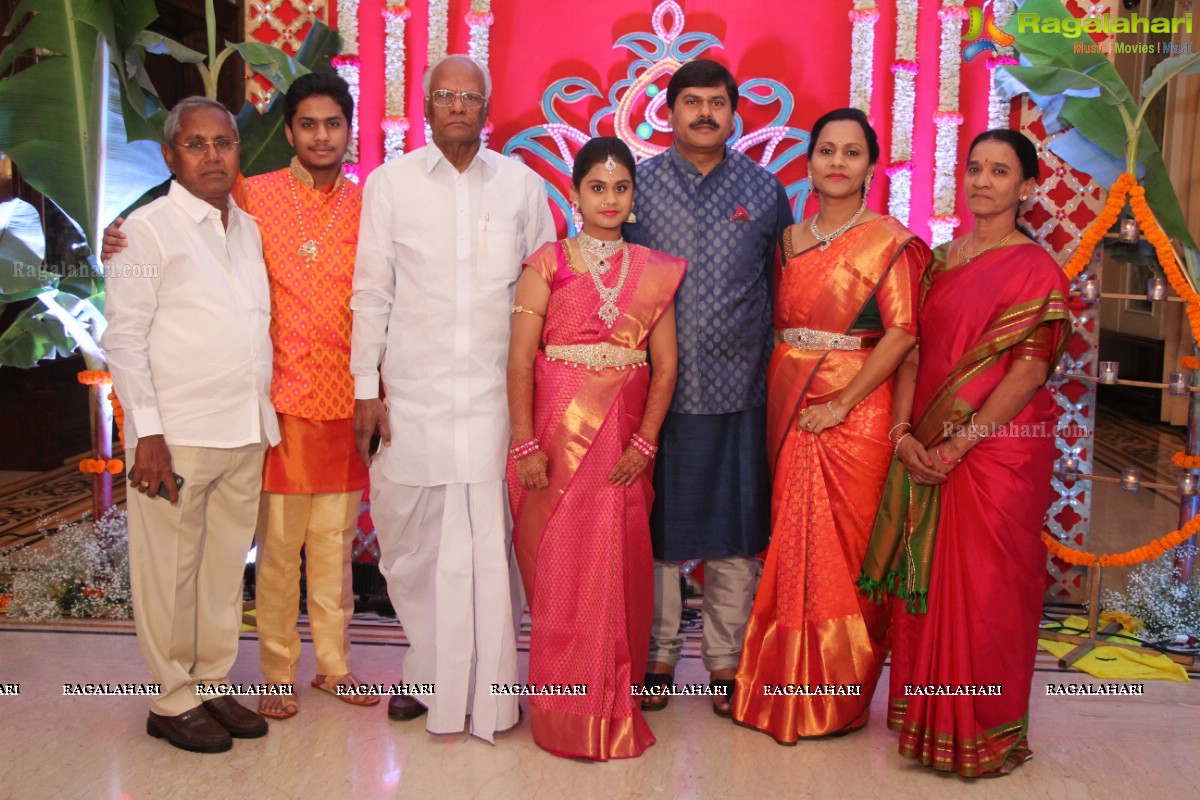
(740, 214)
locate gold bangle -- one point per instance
(524, 310)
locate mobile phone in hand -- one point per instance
(163, 490)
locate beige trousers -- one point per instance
(186, 563)
(728, 596)
(324, 525)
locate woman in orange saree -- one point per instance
(585, 418)
(957, 536)
(845, 317)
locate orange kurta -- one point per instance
(312, 388)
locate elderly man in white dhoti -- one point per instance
(444, 232)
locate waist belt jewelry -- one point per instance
(807, 339)
(596, 356)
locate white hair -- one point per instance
(172, 126)
(487, 76)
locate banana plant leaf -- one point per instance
(1048, 60)
(55, 326)
(22, 248)
(62, 124)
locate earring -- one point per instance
(1023, 198)
(576, 217)
(632, 218)
(867, 184)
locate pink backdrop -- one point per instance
(805, 46)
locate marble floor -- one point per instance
(55, 747)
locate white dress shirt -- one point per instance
(439, 254)
(188, 312)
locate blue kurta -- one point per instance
(713, 496)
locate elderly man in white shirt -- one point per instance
(444, 231)
(190, 355)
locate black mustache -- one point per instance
(701, 123)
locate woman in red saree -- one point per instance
(586, 410)
(958, 532)
(845, 316)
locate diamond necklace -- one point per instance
(826, 238)
(309, 248)
(596, 253)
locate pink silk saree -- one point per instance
(583, 545)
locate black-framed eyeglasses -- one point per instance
(444, 98)
(223, 145)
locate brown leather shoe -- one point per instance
(193, 730)
(404, 708)
(241, 722)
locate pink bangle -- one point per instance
(527, 449)
(643, 445)
(937, 451)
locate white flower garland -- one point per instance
(347, 66)
(439, 21)
(904, 102)
(862, 53)
(479, 21)
(1000, 109)
(395, 123)
(947, 119)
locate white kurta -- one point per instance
(439, 255)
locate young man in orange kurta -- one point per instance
(312, 481)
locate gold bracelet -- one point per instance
(524, 310)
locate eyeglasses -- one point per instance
(444, 98)
(224, 145)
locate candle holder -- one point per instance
(1130, 480)
(1060, 370)
(1129, 231)
(1067, 469)
(1090, 292)
(1109, 371)
(1188, 483)
(1156, 289)
(1177, 384)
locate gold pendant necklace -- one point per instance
(310, 249)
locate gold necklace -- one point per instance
(310, 249)
(962, 251)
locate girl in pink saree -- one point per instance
(586, 408)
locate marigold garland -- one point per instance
(93, 377)
(1127, 188)
(1184, 461)
(98, 466)
(1137, 555)
(118, 416)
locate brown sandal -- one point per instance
(350, 683)
(278, 706)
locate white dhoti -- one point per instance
(446, 552)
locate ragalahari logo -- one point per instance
(983, 34)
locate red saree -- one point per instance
(810, 627)
(583, 545)
(967, 555)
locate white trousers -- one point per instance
(446, 553)
(185, 565)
